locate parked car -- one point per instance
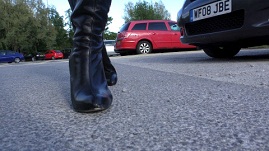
(66, 52)
(221, 28)
(54, 54)
(10, 56)
(109, 44)
(33, 56)
(145, 36)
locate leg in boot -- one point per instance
(89, 91)
(110, 71)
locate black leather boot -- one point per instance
(89, 90)
(110, 71)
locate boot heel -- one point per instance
(112, 79)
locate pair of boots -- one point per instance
(90, 68)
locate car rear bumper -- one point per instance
(248, 19)
(124, 50)
(124, 45)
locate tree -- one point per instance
(110, 35)
(43, 33)
(109, 21)
(107, 34)
(25, 26)
(70, 30)
(144, 10)
(58, 24)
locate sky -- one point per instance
(117, 9)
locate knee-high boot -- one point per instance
(89, 91)
(110, 71)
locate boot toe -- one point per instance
(98, 103)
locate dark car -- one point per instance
(222, 27)
(110, 44)
(66, 52)
(10, 56)
(34, 56)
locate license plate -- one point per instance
(210, 10)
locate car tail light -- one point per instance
(123, 35)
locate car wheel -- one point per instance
(144, 47)
(221, 52)
(52, 58)
(33, 59)
(17, 60)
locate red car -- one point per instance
(145, 36)
(54, 54)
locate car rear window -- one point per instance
(11, 52)
(140, 26)
(174, 26)
(157, 26)
(2, 53)
(125, 27)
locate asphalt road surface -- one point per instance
(162, 102)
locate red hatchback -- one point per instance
(146, 36)
(54, 54)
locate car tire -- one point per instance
(52, 58)
(144, 47)
(17, 60)
(221, 52)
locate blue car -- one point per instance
(10, 56)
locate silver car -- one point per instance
(110, 47)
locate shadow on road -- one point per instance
(198, 57)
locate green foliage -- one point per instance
(110, 36)
(109, 21)
(28, 26)
(70, 31)
(107, 34)
(144, 10)
(61, 34)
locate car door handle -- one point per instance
(153, 33)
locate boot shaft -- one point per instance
(89, 90)
(89, 18)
